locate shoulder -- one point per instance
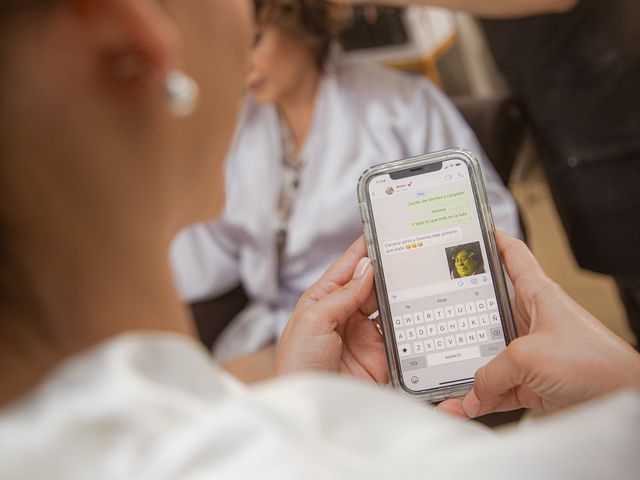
(122, 392)
(366, 78)
(371, 86)
(140, 356)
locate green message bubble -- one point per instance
(440, 211)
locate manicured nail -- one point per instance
(471, 405)
(363, 266)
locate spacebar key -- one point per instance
(453, 356)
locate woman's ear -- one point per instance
(136, 38)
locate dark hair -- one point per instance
(311, 21)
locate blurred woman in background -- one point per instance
(312, 123)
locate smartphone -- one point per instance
(442, 294)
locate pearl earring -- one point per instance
(182, 92)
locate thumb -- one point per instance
(494, 386)
(336, 308)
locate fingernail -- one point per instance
(471, 405)
(363, 266)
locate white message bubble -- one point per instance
(422, 241)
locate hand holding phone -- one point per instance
(566, 356)
(330, 330)
(439, 282)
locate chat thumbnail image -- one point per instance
(465, 260)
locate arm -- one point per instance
(486, 8)
(205, 260)
(253, 368)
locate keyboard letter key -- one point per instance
(482, 335)
(408, 320)
(491, 304)
(411, 333)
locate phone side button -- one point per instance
(413, 363)
(363, 211)
(369, 239)
(453, 356)
(366, 230)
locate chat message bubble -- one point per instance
(418, 242)
(435, 212)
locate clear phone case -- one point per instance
(488, 231)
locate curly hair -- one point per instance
(313, 22)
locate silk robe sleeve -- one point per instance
(205, 260)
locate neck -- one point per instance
(298, 105)
(76, 287)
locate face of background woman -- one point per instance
(279, 65)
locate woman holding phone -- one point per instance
(103, 160)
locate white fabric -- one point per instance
(155, 407)
(364, 115)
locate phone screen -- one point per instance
(437, 277)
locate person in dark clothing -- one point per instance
(578, 76)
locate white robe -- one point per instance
(364, 115)
(156, 408)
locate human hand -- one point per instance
(565, 356)
(330, 329)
